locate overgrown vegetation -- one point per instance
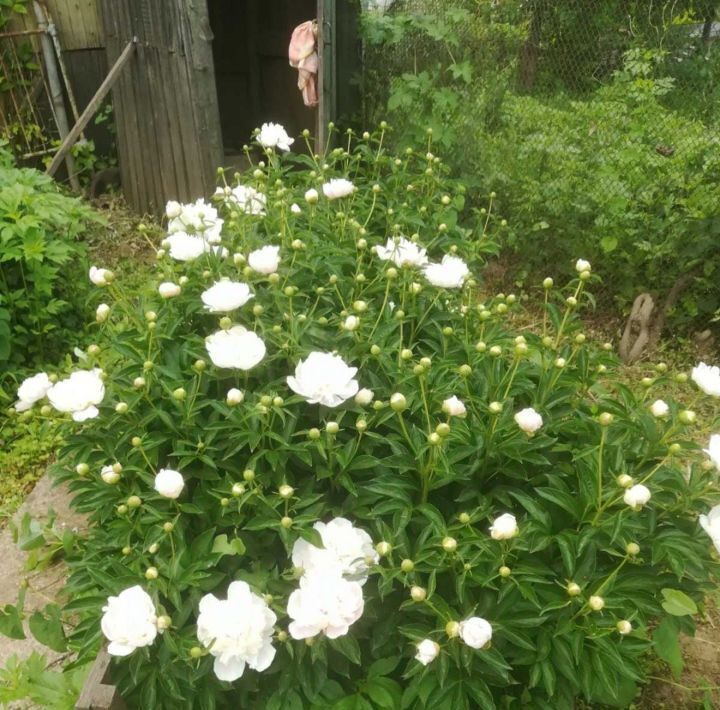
(595, 123)
(42, 265)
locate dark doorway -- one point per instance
(255, 82)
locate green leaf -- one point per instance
(47, 628)
(221, 546)
(10, 622)
(608, 244)
(667, 645)
(678, 603)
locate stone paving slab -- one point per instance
(44, 585)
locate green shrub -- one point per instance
(42, 264)
(491, 483)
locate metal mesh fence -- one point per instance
(610, 63)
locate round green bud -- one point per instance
(286, 522)
(278, 401)
(464, 518)
(179, 394)
(687, 416)
(573, 589)
(452, 629)
(121, 407)
(418, 370)
(480, 346)
(442, 429)
(237, 489)
(406, 354)
(434, 439)
(332, 428)
(375, 350)
(418, 594)
(548, 283)
(168, 527)
(153, 548)
(398, 403)
(136, 441)
(82, 469)
(580, 338)
(285, 491)
(93, 350)
(504, 571)
(134, 502)
(661, 367)
(624, 480)
(596, 603)
(383, 548)
(361, 425)
(199, 365)
(148, 365)
(681, 377)
(447, 331)
(282, 636)
(196, 652)
(496, 351)
(647, 382)
(674, 448)
(248, 475)
(605, 419)
(465, 370)
(150, 316)
(151, 573)
(391, 273)
(46, 410)
(449, 544)
(521, 349)
(121, 509)
(632, 548)
(407, 566)
(547, 341)
(126, 550)
(314, 434)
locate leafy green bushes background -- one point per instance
(42, 265)
(596, 125)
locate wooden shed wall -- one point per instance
(166, 113)
(78, 23)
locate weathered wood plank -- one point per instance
(78, 22)
(98, 693)
(91, 108)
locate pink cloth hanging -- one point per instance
(304, 58)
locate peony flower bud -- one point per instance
(442, 429)
(167, 289)
(398, 403)
(109, 475)
(286, 522)
(529, 420)
(332, 428)
(573, 589)
(624, 627)
(624, 481)
(151, 573)
(687, 416)
(134, 502)
(164, 622)
(504, 527)
(637, 496)
(102, 312)
(632, 548)
(312, 196)
(452, 629)
(179, 394)
(596, 603)
(605, 419)
(139, 382)
(418, 594)
(168, 527)
(504, 571)
(659, 408)
(427, 651)
(449, 544)
(82, 469)
(234, 397)
(582, 265)
(495, 407)
(286, 491)
(464, 518)
(548, 283)
(351, 323)
(364, 397)
(383, 548)
(407, 566)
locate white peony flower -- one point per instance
(707, 378)
(100, 277)
(427, 651)
(129, 621)
(659, 408)
(337, 188)
(168, 289)
(528, 420)
(454, 407)
(451, 272)
(226, 296)
(173, 209)
(169, 483)
(582, 265)
(402, 252)
(237, 348)
(713, 450)
(237, 631)
(637, 496)
(32, 390)
(295, 208)
(184, 247)
(324, 378)
(324, 603)
(198, 218)
(312, 196)
(78, 394)
(102, 312)
(504, 527)
(248, 199)
(711, 525)
(364, 397)
(273, 135)
(475, 632)
(347, 549)
(265, 260)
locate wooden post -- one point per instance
(98, 693)
(91, 108)
(56, 91)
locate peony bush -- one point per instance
(324, 470)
